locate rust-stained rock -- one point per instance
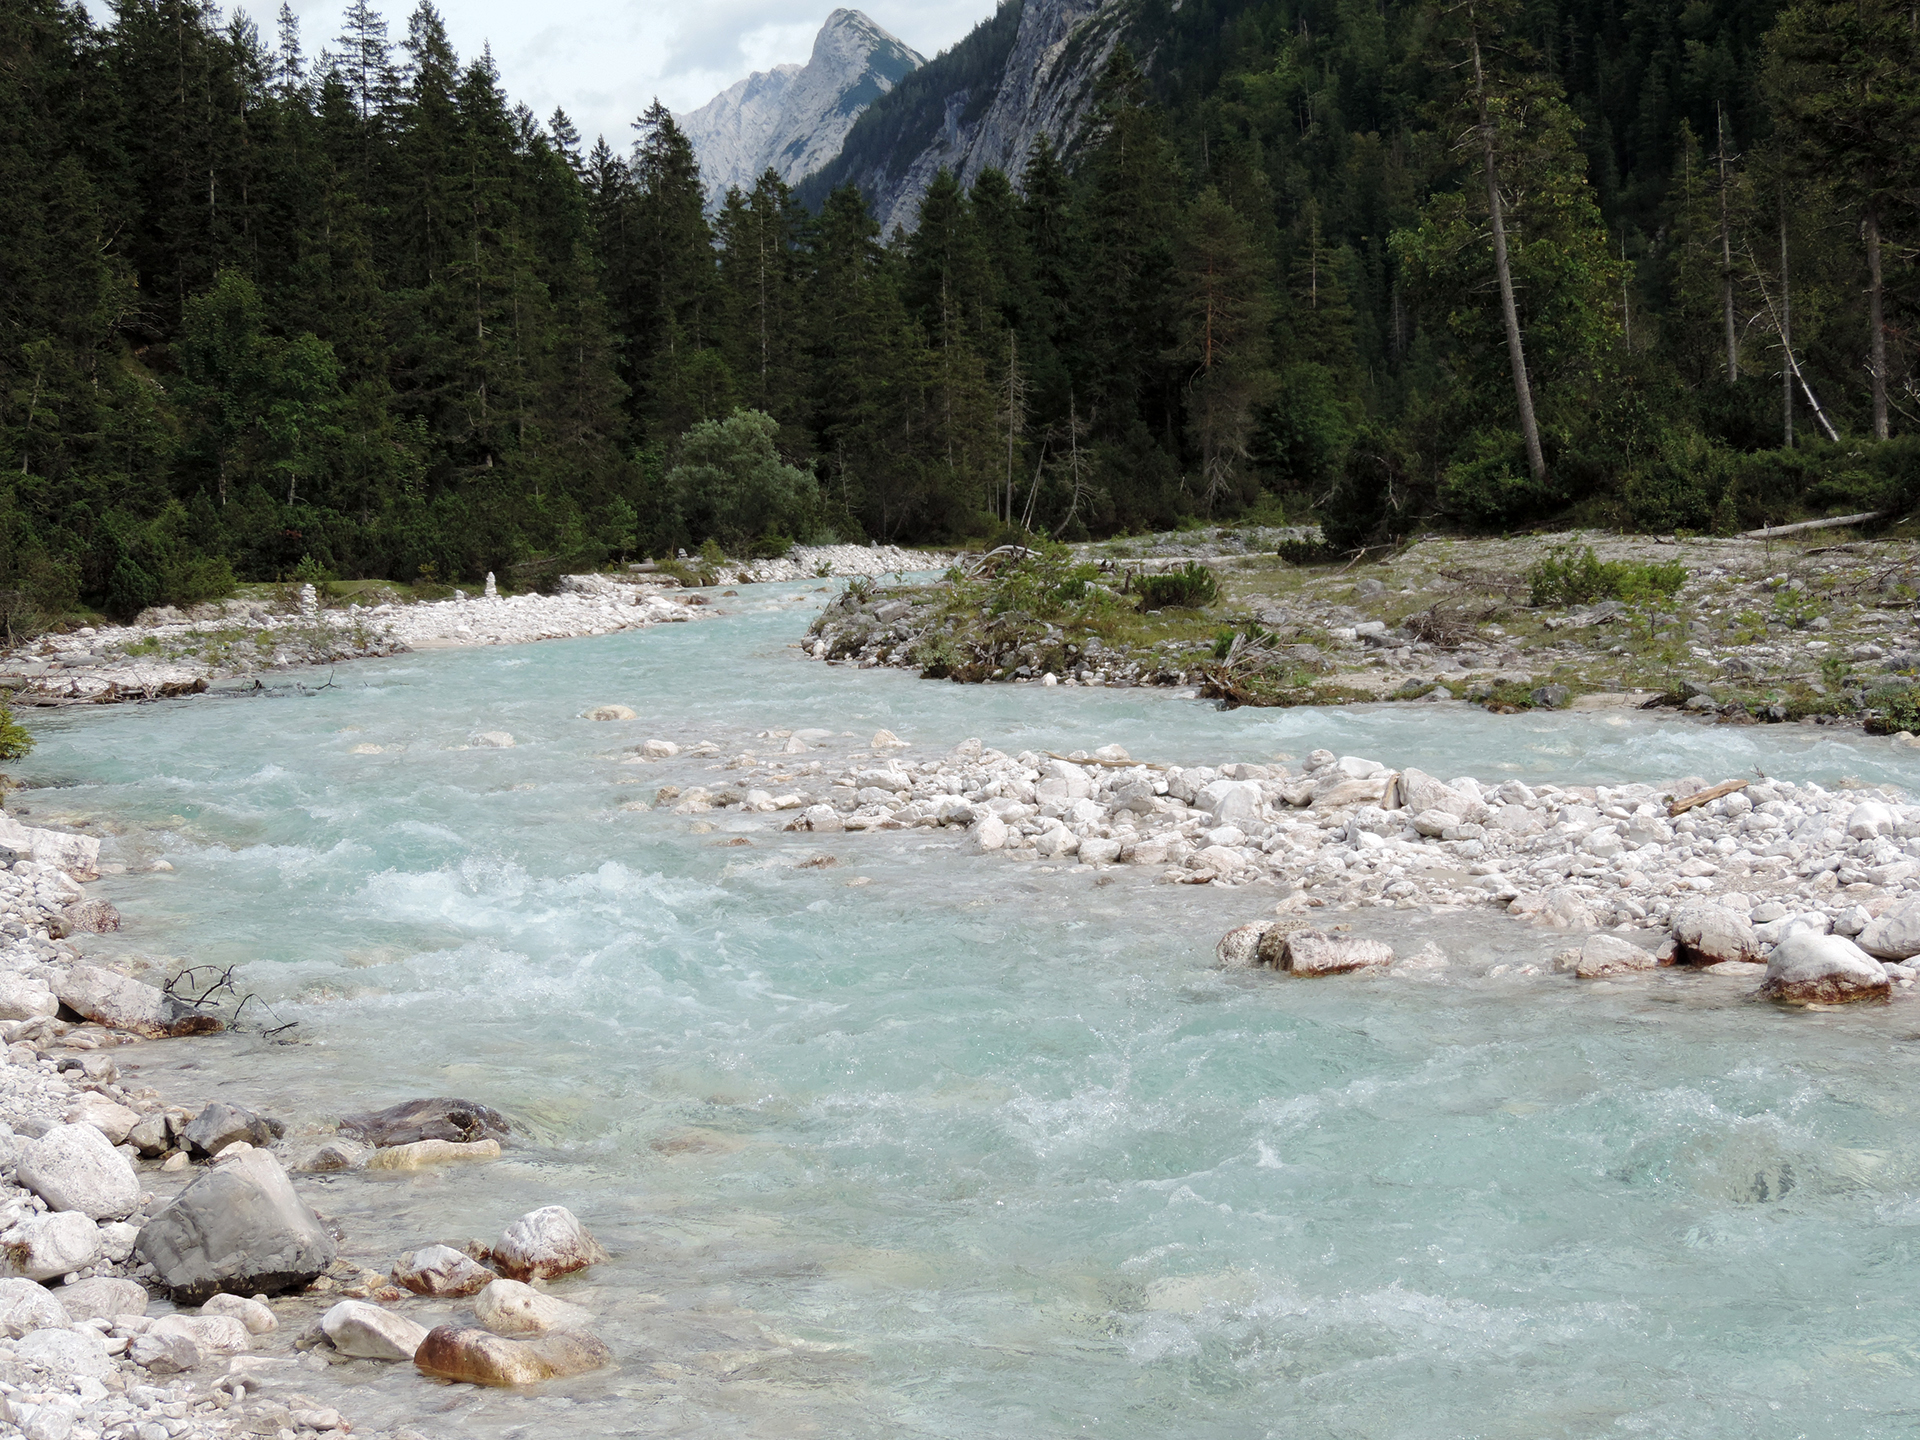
(465, 1352)
(544, 1243)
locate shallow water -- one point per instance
(971, 1150)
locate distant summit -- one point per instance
(793, 118)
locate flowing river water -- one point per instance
(975, 1151)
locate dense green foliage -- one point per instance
(1577, 576)
(1192, 587)
(369, 318)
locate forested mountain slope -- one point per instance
(1394, 265)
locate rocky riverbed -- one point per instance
(161, 1274)
(1718, 875)
(167, 652)
(1816, 629)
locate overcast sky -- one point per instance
(604, 60)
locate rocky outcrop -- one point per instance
(793, 118)
(1043, 86)
(241, 1229)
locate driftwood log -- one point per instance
(1705, 797)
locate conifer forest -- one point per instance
(280, 306)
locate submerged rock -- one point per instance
(424, 1154)
(435, 1119)
(123, 1003)
(241, 1229)
(508, 1307)
(1809, 969)
(458, 1352)
(544, 1243)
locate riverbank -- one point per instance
(167, 653)
(1816, 629)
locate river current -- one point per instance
(971, 1150)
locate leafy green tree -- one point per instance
(733, 486)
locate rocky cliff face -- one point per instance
(982, 104)
(793, 118)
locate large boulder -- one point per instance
(460, 1352)
(371, 1333)
(123, 1003)
(47, 1247)
(1810, 969)
(75, 1167)
(101, 1297)
(441, 1270)
(1419, 792)
(1316, 952)
(1893, 937)
(508, 1307)
(435, 1119)
(544, 1243)
(1231, 802)
(221, 1124)
(89, 917)
(28, 1305)
(241, 1229)
(1707, 934)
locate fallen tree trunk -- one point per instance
(1768, 532)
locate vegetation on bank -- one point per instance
(1390, 267)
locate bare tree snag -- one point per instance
(1509, 310)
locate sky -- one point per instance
(603, 61)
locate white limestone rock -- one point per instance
(1809, 969)
(372, 1333)
(75, 1167)
(508, 1307)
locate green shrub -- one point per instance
(1579, 577)
(1189, 588)
(15, 742)
(771, 546)
(711, 553)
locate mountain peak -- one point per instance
(793, 118)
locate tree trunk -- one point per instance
(1726, 262)
(1786, 332)
(1509, 311)
(1876, 317)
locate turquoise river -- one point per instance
(973, 1151)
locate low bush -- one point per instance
(1579, 577)
(1190, 588)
